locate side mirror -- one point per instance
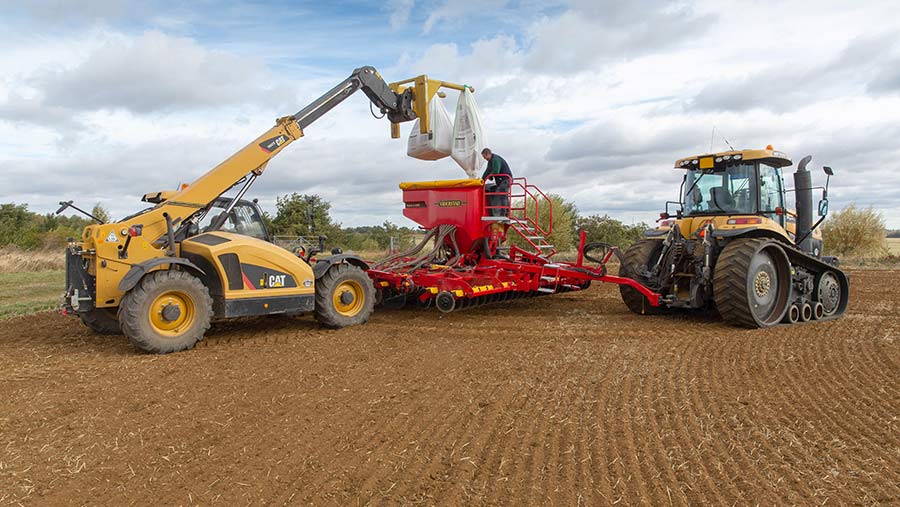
(828, 170)
(823, 207)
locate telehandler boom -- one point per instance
(156, 278)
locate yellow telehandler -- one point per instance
(161, 275)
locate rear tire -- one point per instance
(752, 283)
(101, 321)
(639, 256)
(168, 311)
(344, 296)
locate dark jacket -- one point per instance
(497, 165)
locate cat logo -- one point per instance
(450, 203)
(274, 281)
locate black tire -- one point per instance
(177, 289)
(640, 255)
(334, 307)
(101, 321)
(445, 302)
(752, 283)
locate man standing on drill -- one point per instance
(496, 165)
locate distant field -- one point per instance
(23, 293)
(894, 245)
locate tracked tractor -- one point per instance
(730, 243)
(161, 275)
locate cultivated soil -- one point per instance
(561, 400)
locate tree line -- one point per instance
(309, 216)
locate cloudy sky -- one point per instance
(104, 100)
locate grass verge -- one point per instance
(24, 293)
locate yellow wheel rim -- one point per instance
(172, 313)
(349, 298)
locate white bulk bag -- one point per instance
(468, 137)
(437, 142)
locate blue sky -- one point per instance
(104, 100)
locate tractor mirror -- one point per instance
(828, 170)
(823, 207)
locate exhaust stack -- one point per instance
(803, 199)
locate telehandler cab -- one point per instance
(159, 279)
(733, 245)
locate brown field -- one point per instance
(563, 400)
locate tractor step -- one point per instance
(548, 278)
(551, 266)
(545, 246)
(495, 219)
(546, 290)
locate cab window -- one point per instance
(243, 219)
(771, 193)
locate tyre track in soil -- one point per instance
(653, 448)
(707, 371)
(591, 406)
(680, 385)
(375, 443)
(709, 374)
(492, 458)
(751, 418)
(855, 405)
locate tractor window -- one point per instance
(722, 192)
(771, 194)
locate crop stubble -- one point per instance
(565, 399)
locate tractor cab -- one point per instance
(742, 183)
(733, 190)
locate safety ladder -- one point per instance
(549, 273)
(522, 213)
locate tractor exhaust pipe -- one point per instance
(803, 199)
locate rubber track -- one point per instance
(636, 256)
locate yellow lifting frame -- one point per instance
(424, 90)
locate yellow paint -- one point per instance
(359, 298)
(768, 155)
(424, 90)
(186, 313)
(259, 253)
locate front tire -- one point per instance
(167, 312)
(344, 296)
(639, 256)
(101, 321)
(752, 283)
